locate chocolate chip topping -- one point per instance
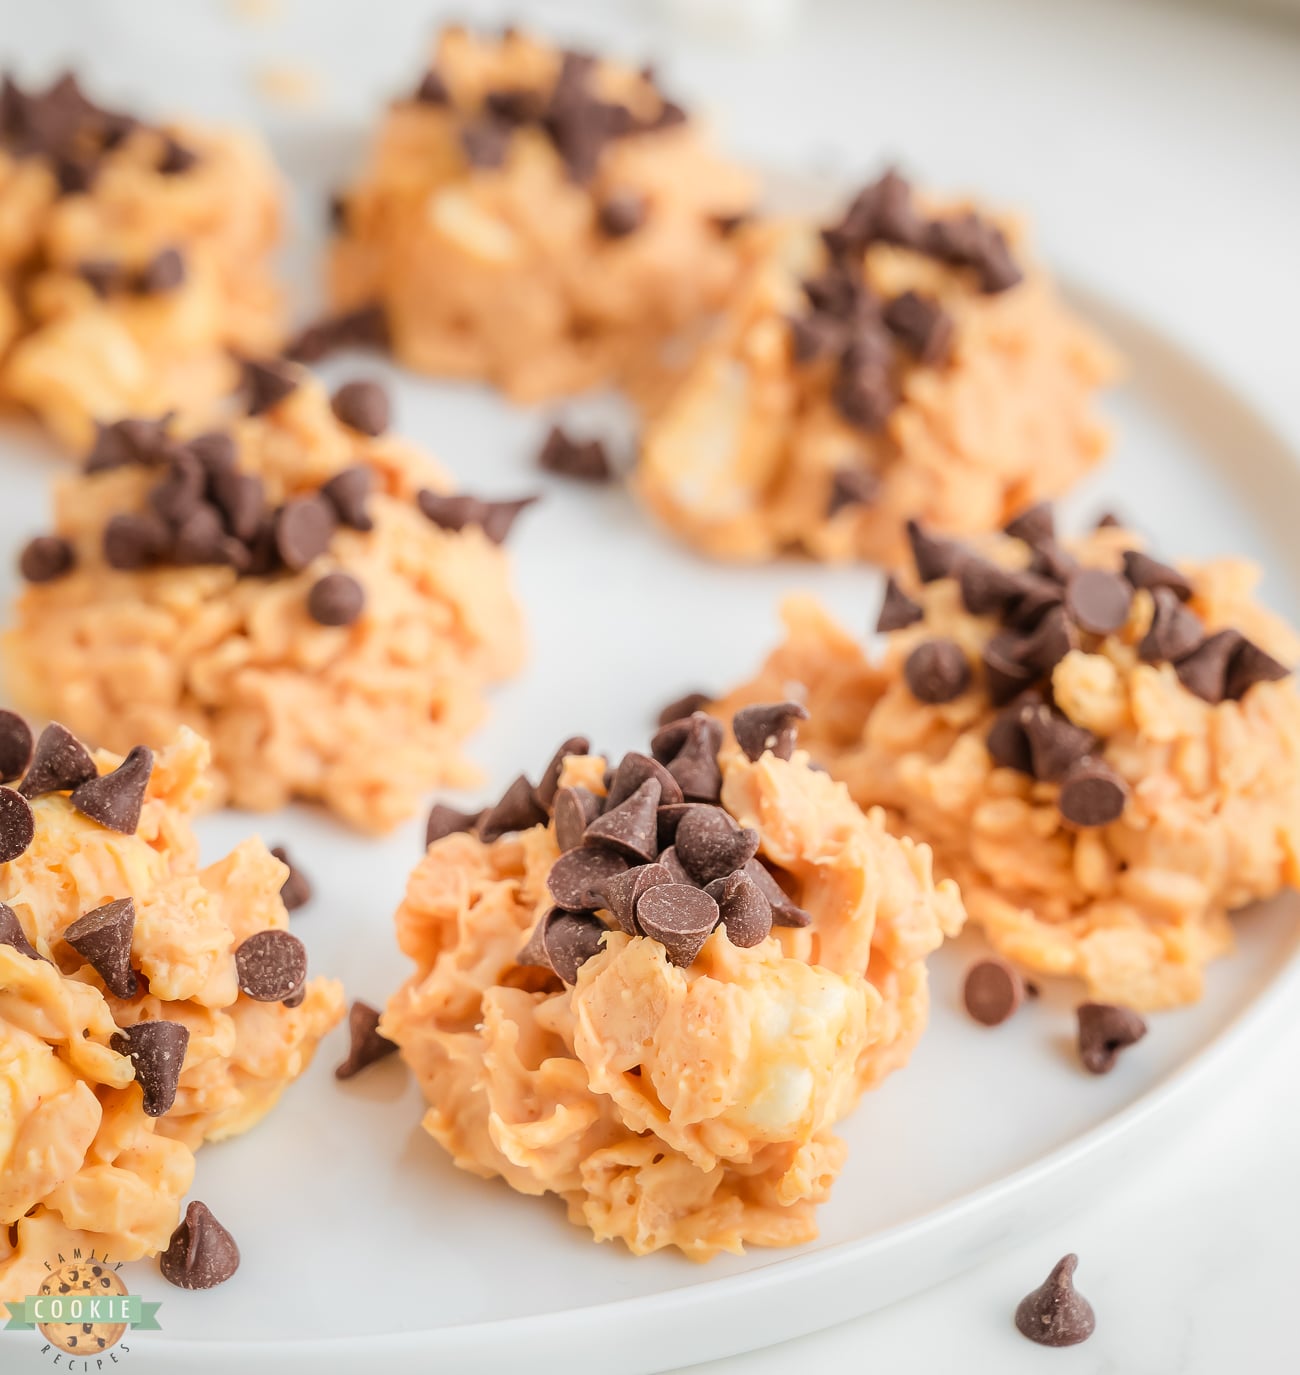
(303, 526)
(1103, 1032)
(241, 498)
(987, 589)
(1204, 672)
(163, 272)
(157, 1051)
(695, 763)
(13, 935)
(569, 940)
(852, 487)
(1005, 673)
(60, 763)
(684, 706)
(679, 917)
(574, 810)
(103, 939)
(17, 824)
(1098, 600)
(1056, 1314)
(518, 810)
(432, 89)
(348, 492)
(485, 142)
(267, 382)
(1036, 525)
(176, 159)
(1174, 631)
(1092, 794)
(742, 909)
(201, 1253)
(574, 745)
(445, 821)
(114, 799)
(621, 213)
(135, 540)
(1054, 637)
(271, 965)
(15, 746)
(102, 275)
(577, 879)
(1144, 571)
(711, 845)
(1007, 742)
(933, 557)
(631, 827)
(766, 727)
(568, 457)
(784, 912)
(633, 770)
(295, 891)
(922, 325)
(1251, 665)
(992, 991)
(366, 1044)
(623, 891)
(456, 512)
(362, 406)
(46, 558)
(129, 441)
(1056, 745)
(897, 610)
(337, 599)
(937, 671)
(364, 327)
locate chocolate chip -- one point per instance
(201, 1253)
(1007, 742)
(937, 671)
(695, 764)
(348, 492)
(176, 159)
(518, 810)
(366, 1044)
(114, 799)
(267, 382)
(922, 325)
(498, 517)
(574, 745)
(711, 845)
(898, 610)
(669, 817)
(129, 441)
(157, 1052)
(569, 940)
(102, 275)
(362, 406)
(295, 891)
(623, 891)
(1098, 600)
(630, 827)
(15, 746)
(1144, 571)
(201, 539)
(815, 336)
(863, 393)
(568, 457)
(46, 558)
(1251, 665)
(1055, 744)
(1053, 639)
(133, 540)
(852, 487)
(515, 105)
(17, 824)
(456, 512)
(683, 707)
(742, 909)
(992, 991)
(578, 877)
(933, 557)
(163, 272)
(621, 213)
(574, 810)
(103, 939)
(633, 770)
(1108, 520)
(337, 599)
(679, 917)
(485, 142)
(1092, 794)
(1005, 675)
(303, 526)
(728, 224)
(61, 762)
(1204, 672)
(179, 493)
(364, 327)
(1103, 1032)
(1174, 632)
(1053, 561)
(445, 821)
(1056, 1314)
(668, 858)
(241, 498)
(271, 965)
(1035, 526)
(432, 89)
(987, 589)
(784, 911)
(13, 935)
(766, 727)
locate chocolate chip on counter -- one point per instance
(621, 213)
(201, 1253)
(114, 799)
(1056, 1314)
(518, 810)
(933, 557)
(1055, 744)
(337, 599)
(1005, 675)
(46, 558)
(445, 821)
(271, 965)
(485, 142)
(348, 492)
(1251, 665)
(1092, 794)
(1098, 600)
(683, 707)
(362, 406)
(17, 824)
(987, 589)
(303, 526)
(574, 810)
(362, 328)
(992, 991)
(13, 935)
(622, 892)
(742, 909)
(15, 746)
(157, 1051)
(631, 827)
(432, 89)
(1174, 632)
(1007, 742)
(577, 879)
(937, 671)
(679, 917)
(1204, 672)
(1054, 637)
(365, 1043)
(710, 844)
(569, 940)
(60, 763)
(176, 159)
(1144, 571)
(568, 457)
(772, 726)
(633, 770)
(103, 939)
(241, 498)
(1035, 526)
(574, 745)
(1104, 1031)
(295, 891)
(784, 911)
(695, 764)
(134, 540)
(165, 271)
(922, 325)
(897, 610)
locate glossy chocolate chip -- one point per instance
(768, 727)
(348, 492)
(937, 671)
(295, 891)
(13, 935)
(1098, 600)
(60, 763)
(1055, 744)
(271, 965)
(1036, 525)
(992, 991)
(631, 828)
(266, 383)
(1204, 672)
(365, 1043)
(679, 917)
(103, 939)
(1056, 1314)
(578, 877)
(362, 406)
(445, 821)
(1092, 794)
(569, 940)
(623, 891)
(303, 526)
(683, 707)
(46, 558)
(15, 746)
(897, 610)
(932, 556)
(1251, 665)
(337, 599)
(1104, 1031)
(201, 1253)
(1144, 571)
(743, 910)
(518, 810)
(157, 1051)
(711, 845)
(115, 799)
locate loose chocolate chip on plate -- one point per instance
(622, 892)
(295, 891)
(1035, 526)
(134, 540)
(568, 457)
(1174, 632)
(683, 707)
(362, 406)
(922, 325)
(1098, 600)
(633, 770)
(743, 910)
(271, 965)
(163, 272)
(992, 991)
(15, 746)
(577, 879)
(366, 1044)
(569, 940)
(630, 828)
(1055, 744)
(1056, 1314)
(574, 810)
(937, 671)
(933, 557)
(157, 1051)
(348, 492)
(60, 763)
(103, 939)
(337, 599)
(46, 558)
(1092, 794)
(898, 610)
(445, 821)
(267, 382)
(13, 935)
(679, 917)
(852, 487)
(114, 799)
(711, 845)
(574, 745)
(303, 526)
(1104, 1031)
(1251, 665)
(621, 213)
(1204, 672)
(201, 1253)
(765, 727)
(1144, 571)
(518, 810)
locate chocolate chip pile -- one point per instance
(658, 853)
(860, 333)
(204, 511)
(1046, 610)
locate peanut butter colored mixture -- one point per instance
(671, 1106)
(1136, 908)
(364, 717)
(81, 1162)
(517, 228)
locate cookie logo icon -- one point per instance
(82, 1280)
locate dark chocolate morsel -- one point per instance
(1174, 631)
(851, 487)
(157, 1050)
(295, 891)
(765, 727)
(897, 610)
(201, 1253)
(348, 492)
(992, 991)
(365, 1043)
(679, 917)
(1104, 1031)
(266, 383)
(337, 599)
(630, 828)
(1251, 665)
(621, 213)
(937, 671)
(573, 811)
(933, 557)
(114, 799)
(12, 933)
(1092, 794)
(17, 824)
(578, 877)
(586, 459)
(575, 744)
(1053, 639)
(569, 940)
(1144, 571)
(271, 965)
(103, 939)
(1056, 1314)
(45, 558)
(60, 763)
(15, 746)
(1055, 744)
(784, 911)
(623, 891)
(444, 821)
(518, 810)
(711, 845)
(1098, 600)
(743, 910)
(303, 526)
(362, 406)
(683, 706)
(1204, 671)
(1035, 526)
(633, 770)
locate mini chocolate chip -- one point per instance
(271, 965)
(1144, 571)
(743, 911)
(992, 991)
(1035, 526)
(103, 939)
(568, 457)
(1005, 676)
(922, 325)
(1174, 632)
(710, 844)
(366, 1043)
(569, 940)
(937, 671)
(784, 911)
(574, 810)
(267, 382)
(633, 770)
(201, 1253)
(851, 487)
(1251, 665)
(630, 827)
(1056, 1314)
(1055, 744)
(987, 589)
(623, 891)
(679, 917)
(337, 599)
(1204, 672)
(432, 89)
(165, 271)
(574, 745)
(241, 498)
(1053, 639)
(157, 1051)
(15, 746)
(348, 492)
(578, 877)
(695, 764)
(1098, 600)
(766, 727)
(485, 142)
(303, 526)
(295, 891)
(1092, 794)
(362, 406)
(518, 810)
(17, 824)
(621, 213)
(933, 557)
(683, 707)
(13, 935)
(1104, 1031)
(46, 558)
(114, 799)
(445, 821)
(897, 610)
(61, 762)
(134, 540)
